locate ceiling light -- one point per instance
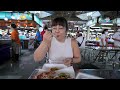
(110, 30)
(106, 27)
(106, 24)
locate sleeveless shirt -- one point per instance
(59, 51)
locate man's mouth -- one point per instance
(57, 35)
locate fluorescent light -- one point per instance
(110, 30)
(106, 24)
(95, 27)
(106, 27)
(98, 29)
(102, 27)
(75, 25)
(91, 30)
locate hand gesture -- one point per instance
(47, 37)
(68, 61)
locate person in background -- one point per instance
(15, 42)
(81, 41)
(104, 39)
(60, 49)
(38, 37)
(22, 36)
(32, 36)
(45, 29)
(27, 34)
(116, 38)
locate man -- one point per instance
(15, 42)
(116, 38)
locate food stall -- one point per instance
(24, 21)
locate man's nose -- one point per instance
(57, 29)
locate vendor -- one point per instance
(15, 42)
(61, 50)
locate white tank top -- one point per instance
(60, 51)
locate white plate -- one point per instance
(48, 66)
(86, 76)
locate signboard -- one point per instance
(106, 20)
(16, 16)
(38, 21)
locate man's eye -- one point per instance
(54, 28)
(60, 28)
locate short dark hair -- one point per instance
(103, 32)
(60, 21)
(13, 25)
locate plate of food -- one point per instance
(54, 72)
(67, 71)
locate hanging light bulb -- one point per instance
(6, 19)
(12, 17)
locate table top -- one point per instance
(104, 73)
